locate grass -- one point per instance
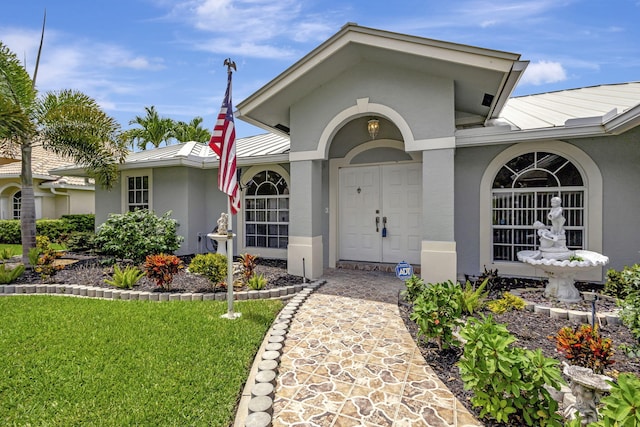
(17, 249)
(70, 361)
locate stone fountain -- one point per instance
(560, 264)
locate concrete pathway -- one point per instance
(348, 360)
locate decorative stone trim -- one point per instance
(256, 404)
(283, 293)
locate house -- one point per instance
(385, 147)
(54, 195)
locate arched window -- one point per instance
(16, 204)
(267, 211)
(521, 194)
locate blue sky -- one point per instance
(169, 53)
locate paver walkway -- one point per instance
(348, 360)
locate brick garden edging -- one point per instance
(128, 294)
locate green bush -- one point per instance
(620, 283)
(622, 405)
(10, 231)
(134, 235)
(507, 382)
(54, 229)
(437, 312)
(415, 285)
(211, 266)
(471, 299)
(82, 223)
(508, 302)
(256, 282)
(9, 275)
(80, 241)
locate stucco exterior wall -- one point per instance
(425, 102)
(81, 202)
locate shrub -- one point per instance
(45, 258)
(162, 268)
(471, 299)
(508, 302)
(126, 278)
(257, 282)
(437, 312)
(415, 285)
(211, 266)
(630, 314)
(10, 231)
(54, 229)
(619, 284)
(6, 253)
(248, 265)
(583, 346)
(507, 382)
(134, 235)
(80, 241)
(622, 405)
(9, 275)
(81, 223)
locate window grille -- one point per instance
(521, 194)
(16, 204)
(267, 211)
(137, 192)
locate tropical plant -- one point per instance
(6, 253)
(162, 268)
(507, 382)
(192, 131)
(508, 302)
(68, 123)
(153, 130)
(472, 300)
(133, 235)
(583, 346)
(9, 275)
(257, 282)
(619, 284)
(211, 266)
(414, 287)
(126, 278)
(621, 407)
(248, 265)
(437, 312)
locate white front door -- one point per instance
(380, 213)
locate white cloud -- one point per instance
(543, 72)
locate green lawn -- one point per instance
(70, 361)
(17, 249)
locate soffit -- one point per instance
(475, 71)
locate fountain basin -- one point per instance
(562, 273)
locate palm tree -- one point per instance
(68, 123)
(192, 131)
(153, 130)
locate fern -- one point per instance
(9, 275)
(472, 300)
(125, 279)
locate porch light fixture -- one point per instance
(373, 126)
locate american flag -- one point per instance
(223, 143)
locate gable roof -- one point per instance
(476, 71)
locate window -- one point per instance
(521, 194)
(137, 192)
(16, 204)
(266, 211)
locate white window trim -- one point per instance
(593, 205)
(244, 180)
(124, 189)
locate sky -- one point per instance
(133, 54)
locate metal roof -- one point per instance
(553, 109)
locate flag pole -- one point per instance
(230, 313)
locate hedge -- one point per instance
(54, 229)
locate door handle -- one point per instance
(384, 226)
(377, 224)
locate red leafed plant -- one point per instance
(583, 346)
(248, 265)
(162, 268)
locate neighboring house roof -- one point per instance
(264, 148)
(42, 162)
(557, 108)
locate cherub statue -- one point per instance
(223, 223)
(556, 217)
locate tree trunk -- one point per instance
(28, 204)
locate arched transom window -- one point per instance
(521, 194)
(267, 211)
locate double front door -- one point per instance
(381, 213)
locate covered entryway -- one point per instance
(380, 213)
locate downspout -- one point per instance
(55, 191)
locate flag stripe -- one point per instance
(223, 143)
